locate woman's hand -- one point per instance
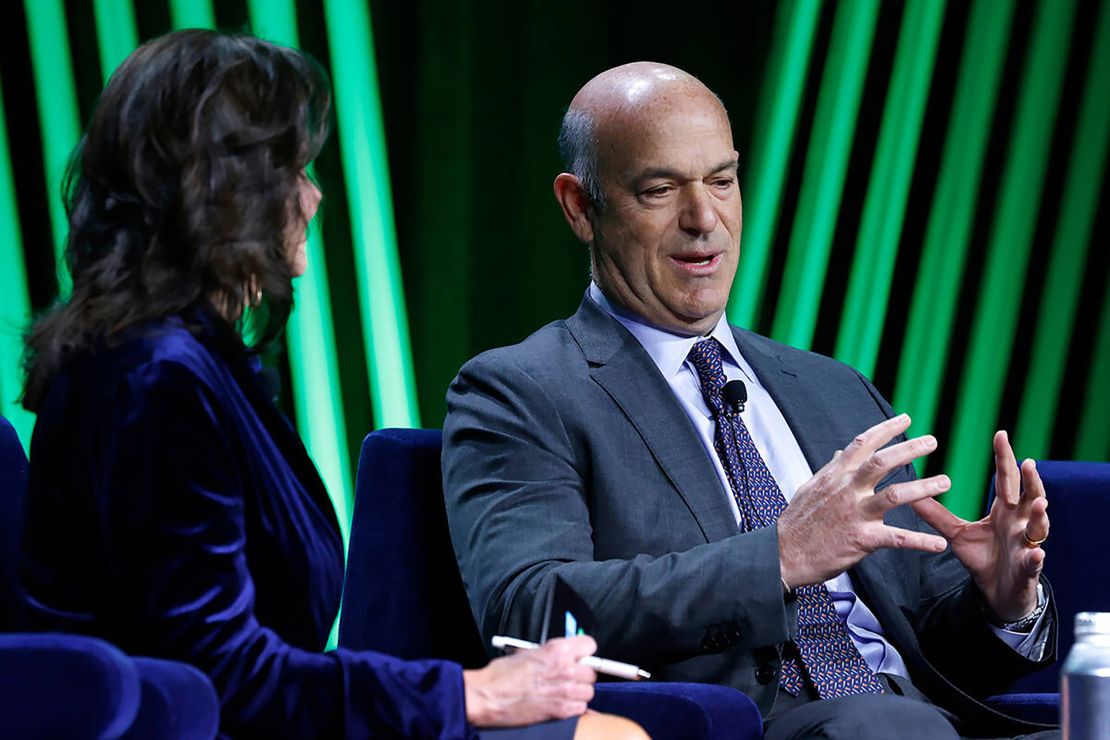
(532, 685)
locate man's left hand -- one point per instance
(1002, 550)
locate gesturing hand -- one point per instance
(1001, 550)
(532, 685)
(836, 517)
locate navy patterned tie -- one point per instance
(828, 658)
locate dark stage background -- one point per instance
(925, 194)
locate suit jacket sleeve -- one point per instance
(520, 513)
(173, 482)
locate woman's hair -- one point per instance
(184, 191)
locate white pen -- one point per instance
(601, 665)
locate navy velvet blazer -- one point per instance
(173, 510)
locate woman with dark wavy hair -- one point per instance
(171, 508)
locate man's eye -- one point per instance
(723, 183)
(657, 192)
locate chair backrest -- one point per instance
(13, 486)
(1076, 562)
(403, 593)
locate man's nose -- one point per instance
(699, 213)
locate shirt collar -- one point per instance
(669, 350)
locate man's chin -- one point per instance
(694, 322)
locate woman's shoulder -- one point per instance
(171, 345)
(165, 354)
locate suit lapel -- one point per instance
(802, 402)
(626, 372)
(821, 428)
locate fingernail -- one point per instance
(944, 483)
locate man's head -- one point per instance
(651, 186)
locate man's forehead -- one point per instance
(694, 139)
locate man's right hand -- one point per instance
(532, 685)
(836, 518)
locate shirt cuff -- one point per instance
(1030, 644)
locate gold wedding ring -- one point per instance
(1032, 543)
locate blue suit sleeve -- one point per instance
(173, 481)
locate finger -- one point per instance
(905, 493)
(582, 674)
(577, 692)
(1036, 529)
(1032, 485)
(1006, 479)
(1034, 562)
(905, 539)
(934, 513)
(568, 709)
(573, 648)
(875, 468)
(865, 443)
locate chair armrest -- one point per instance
(54, 685)
(682, 710)
(178, 702)
(1043, 708)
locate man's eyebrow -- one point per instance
(666, 173)
(728, 164)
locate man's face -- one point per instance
(666, 243)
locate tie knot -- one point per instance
(706, 359)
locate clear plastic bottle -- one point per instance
(1085, 680)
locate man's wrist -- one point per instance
(1026, 623)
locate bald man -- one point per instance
(770, 536)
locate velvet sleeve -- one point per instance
(173, 478)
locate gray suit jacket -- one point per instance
(568, 454)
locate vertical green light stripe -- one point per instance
(310, 334)
(15, 308)
(995, 322)
(1093, 440)
(116, 33)
(192, 14)
(944, 254)
(56, 97)
(780, 101)
(861, 324)
(826, 165)
(1056, 320)
(362, 147)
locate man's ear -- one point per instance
(576, 206)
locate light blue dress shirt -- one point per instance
(786, 462)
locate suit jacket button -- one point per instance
(765, 674)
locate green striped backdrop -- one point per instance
(925, 188)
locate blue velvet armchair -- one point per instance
(1075, 565)
(56, 685)
(404, 595)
